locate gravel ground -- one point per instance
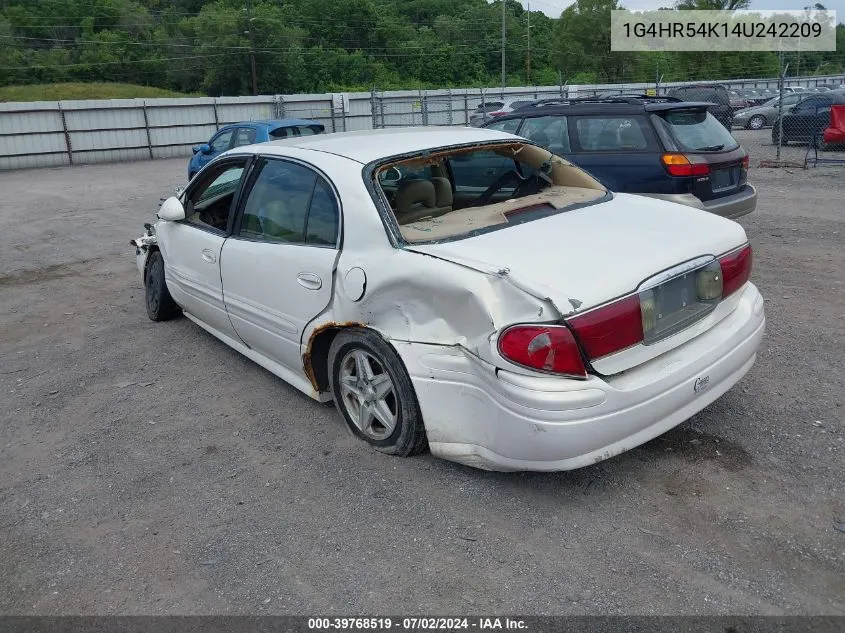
(148, 469)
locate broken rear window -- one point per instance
(455, 193)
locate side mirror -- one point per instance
(171, 210)
(205, 148)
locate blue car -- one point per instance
(247, 133)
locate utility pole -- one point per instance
(504, 74)
(251, 33)
(528, 59)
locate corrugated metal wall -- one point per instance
(42, 134)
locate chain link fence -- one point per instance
(784, 132)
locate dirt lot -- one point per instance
(147, 468)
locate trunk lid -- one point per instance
(583, 258)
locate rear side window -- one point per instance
(608, 134)
(244, 136)
(281, 132)
(694, 131)
(510, 126)
(321, 227)
(549, 131)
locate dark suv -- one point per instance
(656, 146)
(715, 94)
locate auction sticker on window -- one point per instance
(713, 31)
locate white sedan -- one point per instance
(460, 289)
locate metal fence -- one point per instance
(43, 134)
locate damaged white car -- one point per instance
(460, 289)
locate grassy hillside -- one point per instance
(63, 91)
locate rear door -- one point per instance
(278, 266)
(621, 151)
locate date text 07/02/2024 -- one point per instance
(416, 624)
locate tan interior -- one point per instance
(474, 218)
(424, 207)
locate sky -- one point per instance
(554, 8)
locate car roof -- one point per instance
(694, 86)
(365, 146)
(627, 105)
(274, 123)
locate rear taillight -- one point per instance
(746, 161)
(498, 113)
(736, 270)
(548, 348)
(639, 318)
(680, 165)
(610, 328)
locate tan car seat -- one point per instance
(417, 199)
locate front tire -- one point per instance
(374, 393)
(160, 305)
(756, 122)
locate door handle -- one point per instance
(309, 281)
(208, 255)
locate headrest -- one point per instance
(413, 193)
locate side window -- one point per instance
(307, 130)
(278, 203)
(290, 204)
(281, 132)
(209, 203)
(510, 126)
(220, 143)
(607, 134)
(244, 136)
(549, 131)
(322, 216)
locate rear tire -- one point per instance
(160, 305)
(756, 122)
(374, 393)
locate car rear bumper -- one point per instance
(733, 206)
(494, 419)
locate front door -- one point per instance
(191, 248)
(277, 267)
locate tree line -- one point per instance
(208, 46)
